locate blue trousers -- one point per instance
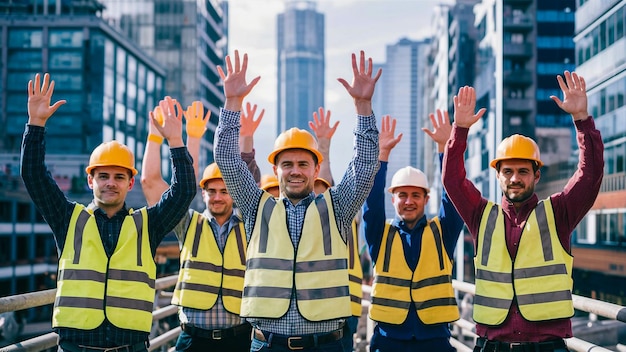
(381, 343)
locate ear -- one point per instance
(426, 199)
(537, 176)
(90, 181)
(317, 170)
(275, 169)
(131, 183)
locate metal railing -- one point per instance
(462, 327)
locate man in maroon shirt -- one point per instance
(523, 276)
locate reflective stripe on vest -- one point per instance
(355, 272)
(84, 278)
(319, 273)
(205, 272)
(429, 287)
(540, 277)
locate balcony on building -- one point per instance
(518, 77)
(518, 23)
(518, 104)
(518, 49)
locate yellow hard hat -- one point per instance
(112, 153)
(268, 181)
(326, 183)
(409, 176)
(295, 138)
(517, 147)
(211, 172)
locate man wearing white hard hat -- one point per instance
(412, 296)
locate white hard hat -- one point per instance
(409, 176)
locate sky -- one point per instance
(351, 26)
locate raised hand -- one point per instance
(248, 123)
(39, 96)
(172, 126)
(441, 129)
(196, 120)
(363, 84)
(235, 86)
(574, 95)
(156, 117)
(321, 125)
(386, 139)
(464, 107)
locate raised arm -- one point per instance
(152, 183)
(240, 182)
(246, 138)
(324, 134)
(195, 121)
(374, 216)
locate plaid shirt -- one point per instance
(217, 317)
(347, 197)
(57, 210)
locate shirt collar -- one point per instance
(94, 209)
(235, 217)
(398, 222)
(527, 206)
(304, 201)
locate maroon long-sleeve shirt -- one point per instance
(570, 206)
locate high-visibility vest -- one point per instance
(428, 287)
(205, 272)
(539, 278)
(317, 270)
(92, 286)
(355, 271)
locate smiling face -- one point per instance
(217, 199)
(110, 185)
(409, 202)
(517, 179)
(296, 170)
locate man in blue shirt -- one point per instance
(412, 296)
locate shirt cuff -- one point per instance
(228, 117)
(366, 122)
(585, 125)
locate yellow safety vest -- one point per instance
(355, 271)
(539, 277)
(92, 286)
(428, 287)
(205, 272)
(318, 270)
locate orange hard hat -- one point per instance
(517, 147)
(211, 172)
(112, 153)
(268, 181)
(295, 138)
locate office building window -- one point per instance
(25, 38)
(66, 38)
(65, 60)
(24, 60)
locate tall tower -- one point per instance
(300, 91)
(403, 85)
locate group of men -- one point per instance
(279, 271)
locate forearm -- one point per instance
(239, 181)
(374, 211)
(359, 177)
(152, 183)
(166, 214)
(193, 146)
(253, 167)
(323, 146)
(41, 187)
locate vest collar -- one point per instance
(527, 206)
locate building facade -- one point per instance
(109, 84)
(300, 64)
(189, 39)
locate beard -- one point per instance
(520, 195)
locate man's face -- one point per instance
(216, 197)
(296, 170)
(517, 179)
(110, 185)
(409, 202)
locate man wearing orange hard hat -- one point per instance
(106, 250)
(523, 254)
(213, 246)
(296, 283)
